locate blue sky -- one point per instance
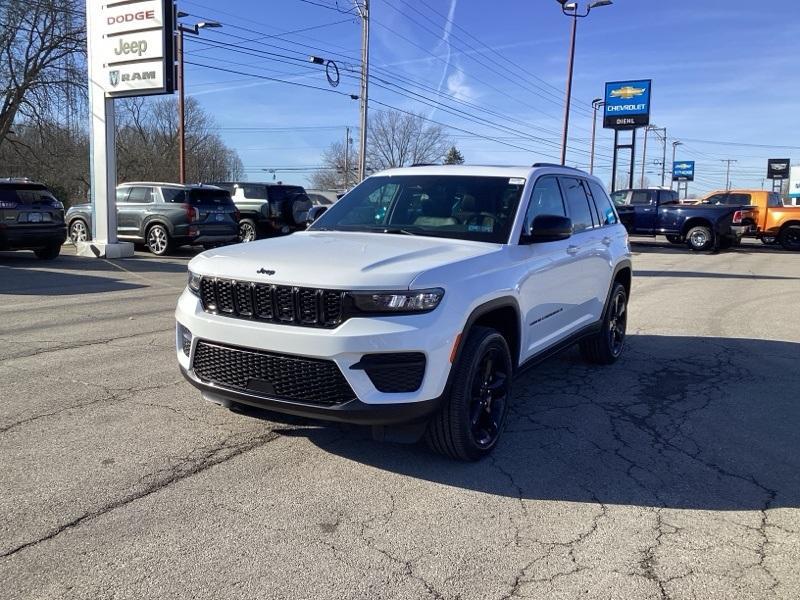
(725, 78)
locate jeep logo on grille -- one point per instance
(263, 271)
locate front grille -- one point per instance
(272, 375)
(394, 372)
(308, 307)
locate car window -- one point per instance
(578, 207)
(619, 198)
(715, 199)
(738, 199)
(253, 191)
(774, 200)
(453, 206)
(140, 195)
(122, 194)
(278, 193)
(209, 197)
(545, 200)
(640, 197)
(177, 195)
(608, 216)
(668, 197)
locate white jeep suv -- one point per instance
(413, 301)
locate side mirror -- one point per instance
(314, 213)
(548, 228)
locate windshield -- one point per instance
(459, 207)
(619, 198)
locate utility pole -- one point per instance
(363, 10)
(728, 171)
(664, 159)
(644, 154)
(346, 156)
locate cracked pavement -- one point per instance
(674, 474)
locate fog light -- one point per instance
(184, 339)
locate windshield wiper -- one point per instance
(397, 230)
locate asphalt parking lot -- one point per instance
(674, 474)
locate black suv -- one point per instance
(165, 215)
(31, 218)
(268, 209)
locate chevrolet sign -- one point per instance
(683, 170)
(627, 104)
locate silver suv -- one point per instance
(165, 215)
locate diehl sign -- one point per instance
(683, 170)
(778, 168)
(627, 104)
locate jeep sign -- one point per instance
(131, 46)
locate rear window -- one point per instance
(173, 194)
(25, 194)
(281, 192)
(196, 197)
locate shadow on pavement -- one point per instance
(702, 275)
(656, 246)
(679, 422)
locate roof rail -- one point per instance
(425, 165)
(543, 164)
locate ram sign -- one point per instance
(627, 104)
(683, 170)
(131, 46)
(778, 168)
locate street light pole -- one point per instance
(675, 145)
(570, 9)
(596, 104)
(194, 30)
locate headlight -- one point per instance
(416, 301)
(194, 283)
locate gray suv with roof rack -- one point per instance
(165, 215)
(268, 208)
(31, 218)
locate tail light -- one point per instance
(737, 217)
(192, 214)
(7, 204)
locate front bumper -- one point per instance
(430, 334)
(355, 411)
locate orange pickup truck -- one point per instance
(774, 222)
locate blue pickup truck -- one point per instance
(655, 211)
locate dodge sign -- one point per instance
(627, 104)
(131, 46)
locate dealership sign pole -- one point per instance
(129, 53)
(627, 107)
(777, 172)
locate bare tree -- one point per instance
(147, 143)
(396, 139)
(41, 48)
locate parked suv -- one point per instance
(413, 301)
(268, 209)
(165, 215)
(31, 218)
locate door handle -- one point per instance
(573, 250)
(607, 241)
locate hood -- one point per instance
(338, 260)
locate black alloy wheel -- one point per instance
(490, 387)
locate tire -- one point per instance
(700, 238)
(247, 231)
(157, 240)
(789, 238)
(605, 347)
(49, 252)
(79, 231)
(471, 419)
(676, 239)
(299, 210)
